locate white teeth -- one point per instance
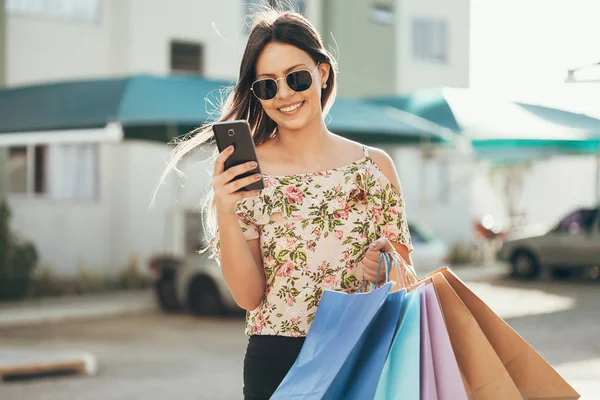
(291, 108)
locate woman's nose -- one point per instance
(284, 90)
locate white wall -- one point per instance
(551, 189)
(138, 230)
(414, 74)
(448, 217)
(102, 235)
(42, 49)
(69, 234)
(132, 36)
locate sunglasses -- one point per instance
(298, 81)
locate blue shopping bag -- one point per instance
(346, 346)
(400, 377)
(371, 354)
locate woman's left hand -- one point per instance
(370, 262)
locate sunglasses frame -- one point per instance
(285, 79)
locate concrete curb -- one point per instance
(46, 310)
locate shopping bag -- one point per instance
(532, 375)
(348, 329)
(428, 383)
(359, 381)
(448, 383)
(484, 375)
(400, 378)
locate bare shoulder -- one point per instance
(349, 147)
(386, 165)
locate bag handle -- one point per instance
(406, 273)
(385, 259)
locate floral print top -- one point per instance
(314, 230)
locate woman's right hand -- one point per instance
(225, 188)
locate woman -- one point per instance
(329, 206)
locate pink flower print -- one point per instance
(268, 181)
(338, 188)
(392, 236)
(290, 242)
(286, 269)
(342, 213)
(269, 259)
(362, 235)
(294, 194)
(295, 321)
(311, 245)
(294, 334)
(346, 256)
(289, 226)
(358, 194)
(259, 323)
(378, 215)
(394, 211)
(289, 301)
(330, 280)
(339, 234)
(317, 234)
(323, 266)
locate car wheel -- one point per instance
(204, 298)
(525, 265)
(166, 295)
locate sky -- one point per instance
(523, 49)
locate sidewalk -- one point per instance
(43, 310)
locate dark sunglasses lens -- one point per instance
(265, 89)
(299, 81)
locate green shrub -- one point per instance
(18, 259)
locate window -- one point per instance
(187, 57)
(577, 221)
(382, 14)
(75, 10)
(27, 169)
(430, 40)
(61, 171)
(17, 171)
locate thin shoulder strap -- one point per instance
(365, 150)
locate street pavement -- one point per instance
(149, 355)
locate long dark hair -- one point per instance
(270, 25)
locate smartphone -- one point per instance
(237, 133)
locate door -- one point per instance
(571, 243)
(591, 244)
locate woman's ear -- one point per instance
(324, 69)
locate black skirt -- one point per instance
(268, 359)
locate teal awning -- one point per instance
(134, 101)
(380, 123)
(495, 125)
(158, 108)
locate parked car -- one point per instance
(195, 283)
(574, 243)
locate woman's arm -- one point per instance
(240, 258)
(370, 261)
(241, 262)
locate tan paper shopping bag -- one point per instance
(484, 375)
(534, 377)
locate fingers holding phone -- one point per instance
(236, 174)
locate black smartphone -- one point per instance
(237, 133)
